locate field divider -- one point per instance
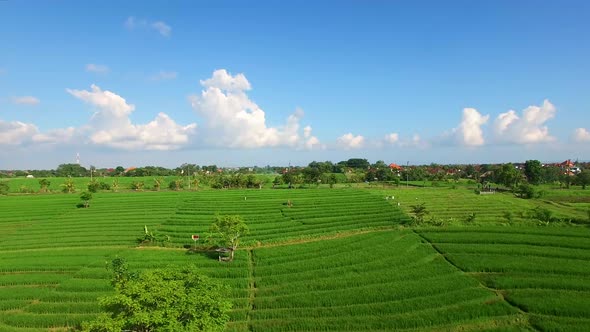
(470, 275)
(338, 235)
(251, 289)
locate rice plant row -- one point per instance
(543, 272)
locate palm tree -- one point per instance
(115, 185)
(68, 186)
(158, 183)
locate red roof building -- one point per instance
(394, 166)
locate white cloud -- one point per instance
(110, 124)
(349, 141)
(469, 132)
(415, 142)
(222, 80)
(65, 135)
(509, 127)
(311, 142)
(94, 68)
(164, 75)
(161, 27)
(162, 133)
(233, 120)
(26, 100)
(581, 135)
(392, 138)
(16, 132)
(107, 101)
(307, 132)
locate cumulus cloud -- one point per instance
(26, 100)
(110, 124)
(311, 142)
(106, 101)
(164, 75)
(349, 141)
(16, 132)
(469, 132)
(528, 129)
(161, 27)
(581, 135)
(99, 69)
(233, 120)
(392, 138)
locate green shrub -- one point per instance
(525, 191)
(4, 188)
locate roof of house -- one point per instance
(394, 166)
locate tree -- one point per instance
(161, 300)
(73, 170)
(120, 170)
(93, 186)
(44, 183)
(311, 175)
(194, 183)
(525, 191)
(551, 174)
(137, 185)
(358, 163)
(115, 185)
(419, 211)
(533, 171)
(583, 178)
(229, 228)
(158, 182)
(508, 175)
(86, 197)
(332, 180)
(176, 184)
(68, 186)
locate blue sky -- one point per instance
(235, 83)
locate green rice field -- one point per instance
(336, 260)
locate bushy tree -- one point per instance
(533, 170)
(583, 178)
(176, 184)
(44, 184)
(86, 197)
(93, 186)
(508, 175)
(525, 191)
(228, 229)
(161, 300)
(71, 170)
(419, 211)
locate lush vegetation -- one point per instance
(374, 258)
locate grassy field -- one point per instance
(336, 260)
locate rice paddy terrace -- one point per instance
(336, 260)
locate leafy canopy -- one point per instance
(229, 228)
(161, 300)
